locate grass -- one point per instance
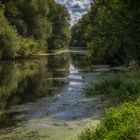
(122, 121)
(119, 88)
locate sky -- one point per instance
(76, 8)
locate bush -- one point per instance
(123, 87)
(11, 44)
(27, 47)
(121, 123)
(8, 38)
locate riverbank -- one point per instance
(81, 51)
(121, 121)
(38, 54)
(51, 52)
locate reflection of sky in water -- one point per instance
(74, 75)
(76, 8)
(75, 79)
(73, 70)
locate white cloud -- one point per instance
(76, 8)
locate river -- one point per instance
(44, 98)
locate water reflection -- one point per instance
(80, 61)
(27, 81)
(43, 97)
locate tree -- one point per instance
(32, 26)
(112, 32)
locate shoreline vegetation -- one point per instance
(39, 54)
(121, 120)
(110, 30)
(29, 27)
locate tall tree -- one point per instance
(112, 32)
(37, 25)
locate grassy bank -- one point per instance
(122, 119)
(118, 88)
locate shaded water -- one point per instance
(43, 98)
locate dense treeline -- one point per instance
(29, 26)
(111, 30)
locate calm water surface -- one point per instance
(43, 98)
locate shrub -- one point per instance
(11, 44)
(8, 38)
(124, 87)
(27, 47)
(121, 123)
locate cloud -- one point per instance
(76, 8)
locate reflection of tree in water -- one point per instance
(11, 75)
(80, 61)
(22, 82)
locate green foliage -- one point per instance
(27, 47)
(44, 20)
(111, 31)
(120, 87)
(8, 38)
(60, 27)
(27, 26)
(11, 43)
(78, 38)
(121, 123)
